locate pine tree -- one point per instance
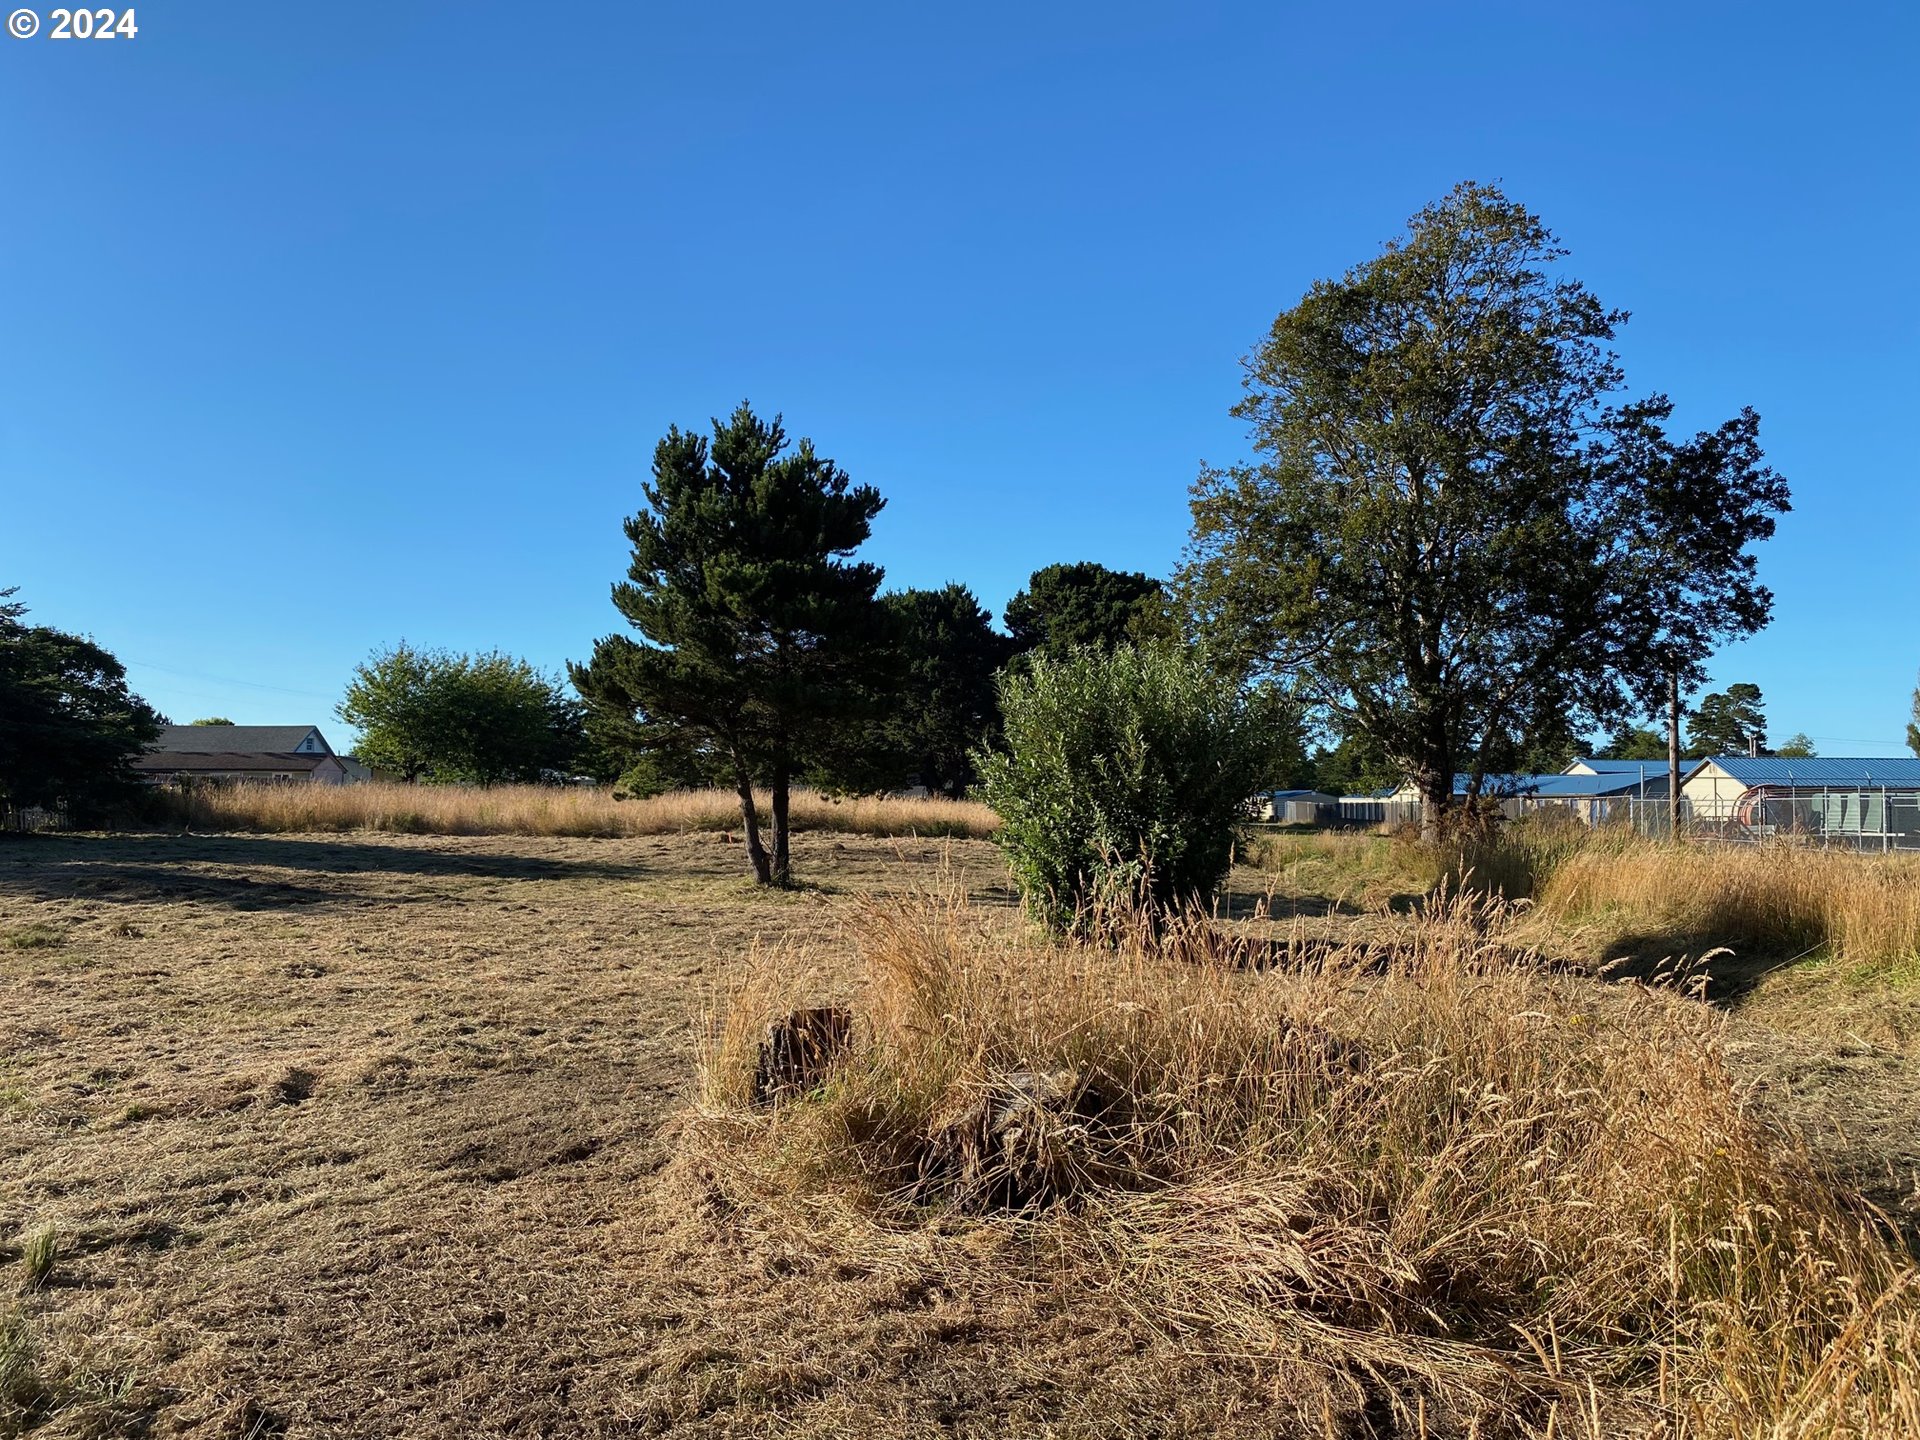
(1085, 603)
(1730, 722)
(942, 704)
(757, 631)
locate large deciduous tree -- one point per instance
(757, 631)
(1684, 576)
(472, 719)
(1913, 726)
(69, 726)
(1443, 540)
(1085, 603)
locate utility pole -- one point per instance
(1673, 755)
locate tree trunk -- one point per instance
(782, 862)
(750, 819)
(1673, 755)
(1436, 797)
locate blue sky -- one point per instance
(331, 325)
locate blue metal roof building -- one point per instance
(1870, 802)
(1567, 787)
(1638, 769)
(1893, 773)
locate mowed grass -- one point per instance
(549, 810)
(358, 1135)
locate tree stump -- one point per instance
(800, 1051)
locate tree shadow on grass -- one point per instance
(1250, 905)
(1247, 905)
(1725, 972)
(266, 872)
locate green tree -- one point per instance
(941, 704)
(1438, 544)
(1634, 742)
(1913, 726)
(212, 720)
(392, 700)
(1087, 604)
(1684, 574)
(1122, 779)
(1286, 763)
(1797, 747)
(760, 638)
(69, 726)
(1730, 722)
(643, 756)
(452, 718)
(1354, 766)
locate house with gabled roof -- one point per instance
(264, 754)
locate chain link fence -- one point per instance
(1712, 808)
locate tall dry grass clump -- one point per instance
(546, 810)
(1510, 1205)
(1787, 899)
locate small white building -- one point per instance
(1300, 807)
(262, 754)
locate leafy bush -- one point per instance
(1123, 779)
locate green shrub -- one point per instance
(1123, 779)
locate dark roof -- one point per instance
(159, 761)
(232, 739)
(1896, 773)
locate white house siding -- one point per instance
(1711, 793)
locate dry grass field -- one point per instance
(360, 1134)
(549, 810)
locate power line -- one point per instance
(227, 680)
